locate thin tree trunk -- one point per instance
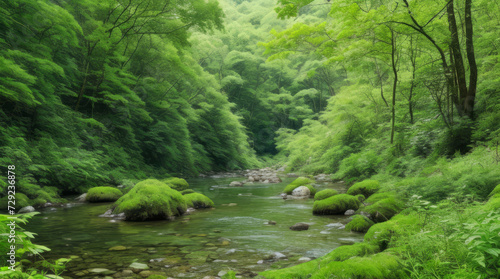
(393, 58)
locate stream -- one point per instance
(233, 236)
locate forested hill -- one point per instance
(95, 92)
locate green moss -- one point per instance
(360, 198)
(345, 252)
(359, 223)
(337, 204)
(151, 199)
(380, 196)
(311, 189)
(187, 191)
(381, 234)
(323, 194)
(198, 200)
(495, 191)
(493, 203)
(156, 276)
(176, 183)
(365, 187)
(384, 209)
(300, 181)
(305, 270)
(379, 266)
(103, 194)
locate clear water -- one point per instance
(193, 246)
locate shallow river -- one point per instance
(202, 244)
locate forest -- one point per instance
(395, 102)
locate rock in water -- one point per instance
(301, 191)
(300, 227)
(350, 212)
(81, 198)
(27, 209)
(236, 184)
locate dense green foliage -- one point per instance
(94, 92)
(149, 200)
(103, 194)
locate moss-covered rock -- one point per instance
(381, 234)
(300, 181)
(337, 204)
(156, 276)
(380, 196)
(149, 200)
(198, 200)
(383, 209)
(187, 191)
(323, 194)
(366, 188)
(313, 269)
(380, 266)
(493, 203)
(311, 189)
(360, 198)
(103, 194)
(495, 191)
(176, 183)
(359, 223)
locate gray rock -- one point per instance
(138, 266)
(236, 184)
(81, 198)
(278, 255)
(301, 191)
(300, 227)
(350, 212)
(26, 209)
(304, 259)
(271, 222)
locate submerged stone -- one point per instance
(138, 266)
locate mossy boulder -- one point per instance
(381, 266)
(359, 223)
(151, 199)
(310, 268)
(103, 194)
(360, 198)
(323, 194)
(381, 234)
(156, 276)
(176, 183)
(383, 210)
(495, 191)
(198, 200)
(300, 181)
(337, 204)
(493, 203)
(187, 191)
(366, 188)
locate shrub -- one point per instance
(495, 191)
(337, 204)
(300, 181)
(21, 201)
(493, 203)
(151, 199)
(103, 194)
(198, 200)
(176, 183)
(359, 223)
(366, 188)
(323, 194)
